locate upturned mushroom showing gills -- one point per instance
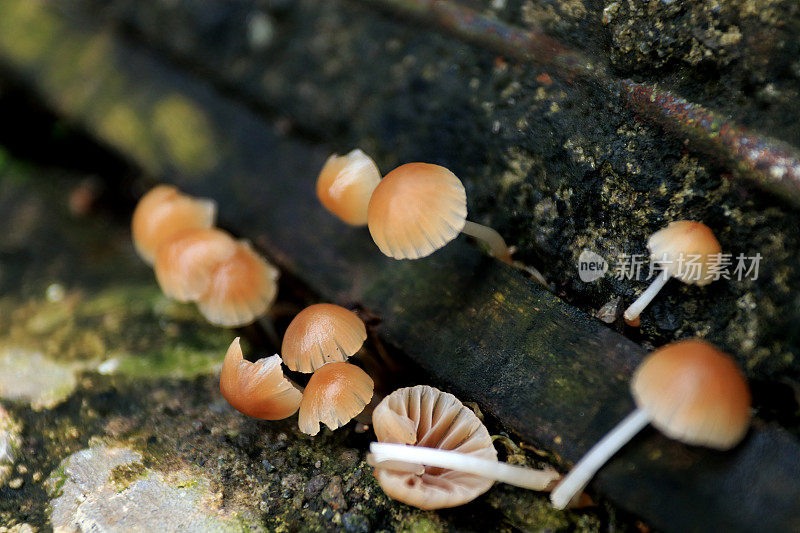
(257, 389)
(685, 250)
(319, 334)
(418, 208)
(242, 288)
(163, 213)
(435, 453)
(345, 185)
(335, 394)
(688, 390)
(185, 264)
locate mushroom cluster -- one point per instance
(230, 282)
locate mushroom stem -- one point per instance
(635, 309)
(529, 478)
(497, 245)
(577, 478)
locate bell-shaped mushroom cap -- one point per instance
(335, 394)
(694, 393)
(319, 334)
(345, 185)
(163, 213)
(257, 389)
(416, 209)
(683, 243)
(185, 264)
(425, 416)
(242, 288)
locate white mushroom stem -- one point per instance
(528, 478)
(635, 309)
(497, 245)
(577, 479)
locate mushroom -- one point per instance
(345, 185)
(418, 208)
(422, 425)
(257, 389)
(320, 334)
(185, 264)
(242, 288)
(335, 394)
(681, 242)
(690, 391)
(163, 213)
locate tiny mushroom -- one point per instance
(418, 208)
(184, 265)
(435, 453)
(319, 334)
(690, 391)
(685, 250)
(242, 288)
(335, 394)
(257, 389)
(345, 185)
(163, 213)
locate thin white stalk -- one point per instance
(528, 478)
(647, 296)
(585, 469)
(497, 245)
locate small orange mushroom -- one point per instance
(242, 288)
(690, 391)
(335, 394)
(681, 244)
(418, 208)
(184, 265)
(257, 389)
(163, 213)
(320, 334)
(345, 185)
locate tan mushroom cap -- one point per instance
(185, 264)
(345, 185)
(242, 288)
(163, 213)
(425, 416)
(319, 334)
(679, 243)
(335, 394)
(694, 393)
(257, 389)
(416, 209)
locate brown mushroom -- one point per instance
(335, 394)
(257, 389)
(675, 247)
(418, 208)
(690, 391)
(319, 334)
(345, 185)
(185, 264)
(163, 213)
(242, 288)
(422, 425)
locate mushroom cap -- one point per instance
(257, 389)
(163, 213)
(242, 288)
(185, 264)
(683, 241)
(335, 394)
(425, 416)
(345, 185)
(694, 393)
(319, 334)
(416, 209)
